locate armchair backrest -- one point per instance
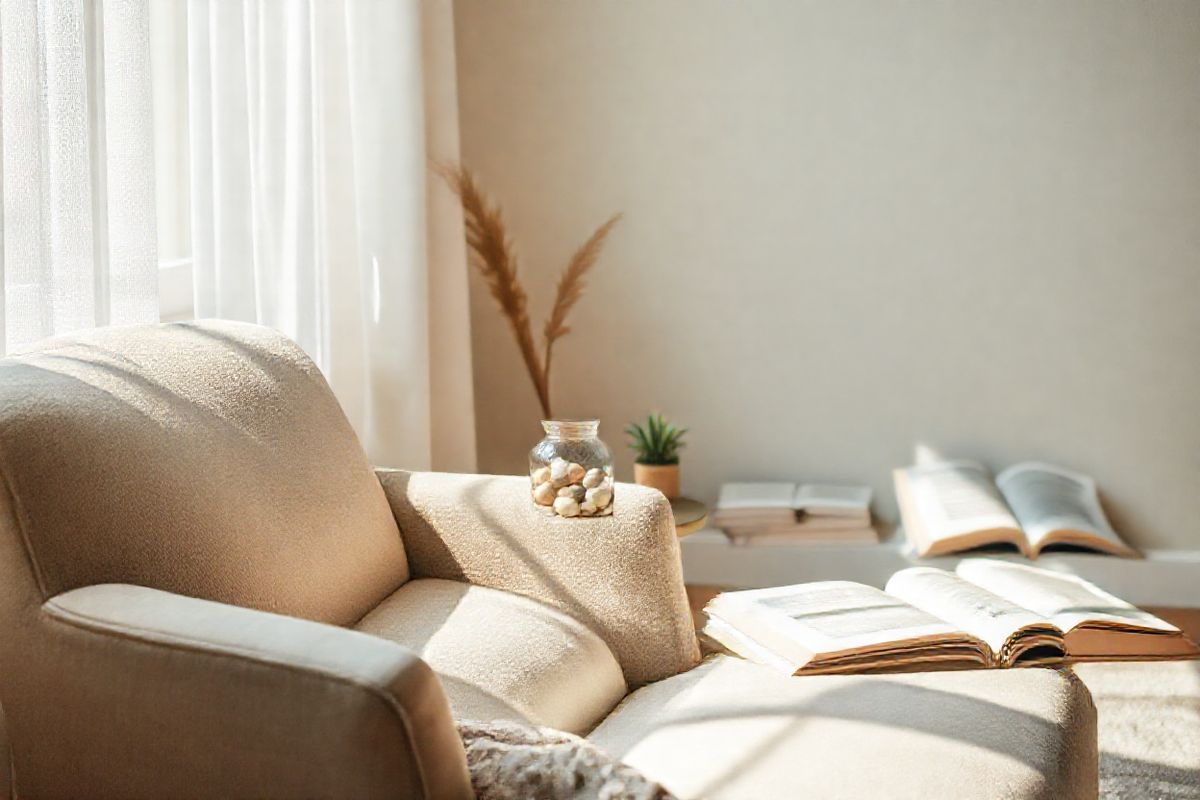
(209, 459)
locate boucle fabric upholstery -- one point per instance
(209, 459)
(732, 729)
(510, 761)
(1149, 728)
(138, 693)
(501, 656)
(620, 576)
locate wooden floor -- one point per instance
(1186, 619)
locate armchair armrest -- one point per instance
(151, 694)
(620, 575)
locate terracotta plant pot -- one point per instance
(664, 477)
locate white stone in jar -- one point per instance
(566, 507)
(604, 512)
(587, 509)
(601, 496)
(558, 472)
(575, 472)
(540, 475)
(593, 478)
(574, 491)
(543, 493)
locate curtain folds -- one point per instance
(311, 129)
(77, 224)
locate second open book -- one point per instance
(988, 613)
(950, 506)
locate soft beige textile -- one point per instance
(451, 379)
(510, 761)
(620, 575)
(312, 126)
(732, 729)
(77, 169)
(144, 693)
(503, 656)
(1149, 726)
(208, 459)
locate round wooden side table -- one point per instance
(690, 515)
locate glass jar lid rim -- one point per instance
(571, 427)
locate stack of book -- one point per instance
(786, 513)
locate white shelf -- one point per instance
(1162, 578)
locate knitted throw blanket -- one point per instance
(510, 761)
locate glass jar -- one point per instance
(571, 470)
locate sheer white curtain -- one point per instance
(312, 125)
(77, 229)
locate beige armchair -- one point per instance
(206, 591)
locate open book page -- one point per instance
(740, 644)
(1055, 505)
(842, 626)
(1066, 600)
(1098, 625)
(1014, 634)
(953, 505)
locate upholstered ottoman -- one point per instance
(732, 729)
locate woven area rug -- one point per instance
(1149, 728)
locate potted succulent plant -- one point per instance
(656, 444)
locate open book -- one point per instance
(988, 613)
(955, 505)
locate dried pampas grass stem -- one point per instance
(493, 255)
(571, 285)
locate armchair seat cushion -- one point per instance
(503, 656)
(732, 729)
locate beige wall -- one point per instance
(853, 227)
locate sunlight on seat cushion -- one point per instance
(502, 656)
(731, 729)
